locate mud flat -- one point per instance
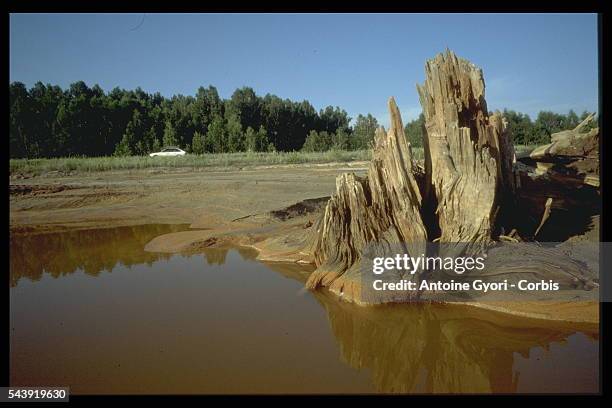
(205, 198)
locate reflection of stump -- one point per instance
(468, 153)
(456, 349)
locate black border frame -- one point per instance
(517, 6)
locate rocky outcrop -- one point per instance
(381, 209)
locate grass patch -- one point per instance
(245, 159)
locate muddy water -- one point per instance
(90, 309)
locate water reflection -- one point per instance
(90, 250)
(442, 349)
(218, 256)
(401, 349)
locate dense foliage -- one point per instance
(527, 132)
(47, 121)
(524, 131)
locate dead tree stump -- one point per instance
(468, 154)
(381, 209)
(468, 190)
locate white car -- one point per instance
(169, 151)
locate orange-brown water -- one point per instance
(92, 310)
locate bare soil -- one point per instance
(205, 198)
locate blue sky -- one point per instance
(531, 62)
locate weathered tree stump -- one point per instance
(468, 154)
(381, 209)
(466, 195)
(566, 172)
(572, 154)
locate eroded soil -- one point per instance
(203, 198)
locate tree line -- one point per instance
(527, 132)
(48, 121)
(524, 131)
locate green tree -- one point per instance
(206, 106)
(250, 140)
(546, 124)
(214, 141)
(235, 137)
(156, 145)
(520, 127)
(129, 143)
(330, 119)
(363, 132)
(48, 121)
(317, 142)
(415, 131)
(197, 143)
(571, 120)
(19, 115)
(310, 144)
(257, 141)
(170, 138)
(263, 143)
(149, 139)
(245, 106)
(123, 147)
(340, 139)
